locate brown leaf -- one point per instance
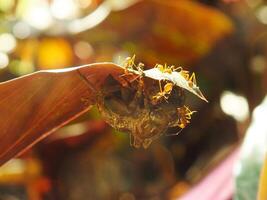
(34, 106)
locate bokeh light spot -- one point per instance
(7, 42)
(262, 14)
(6, 5)
(4, 60)
(38, 15)
(83, 50)
(258, 64)
(64, 9)
(254, 3)
(20, 68)
(54, 53)
(84, 3)
(21, 30)
(234, 105)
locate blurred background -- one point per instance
(223, 41)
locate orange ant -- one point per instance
(184, 118)
(169, 69)
(166, 69)
(130, 68)
(185, 115)
(191, 79)
(129, 64)
(163, 93)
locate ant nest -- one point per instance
(149, 102)
(139, 110)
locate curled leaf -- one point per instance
(143, 106)
(177, 78)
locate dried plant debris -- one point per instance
(148, 102)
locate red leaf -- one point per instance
(34, 106)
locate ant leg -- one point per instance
(188, 111)
(173, 134)
(162, 93)
(160, 87)
(133, 58)
(185, 74)
(140, 69)
(160, 67)
(178, 69)
(188, 115)
(193, 78)
(133, 61)
(165, 66)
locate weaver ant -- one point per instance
(184, 118)
(166, 69)
(163, 93)
(185, 115)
